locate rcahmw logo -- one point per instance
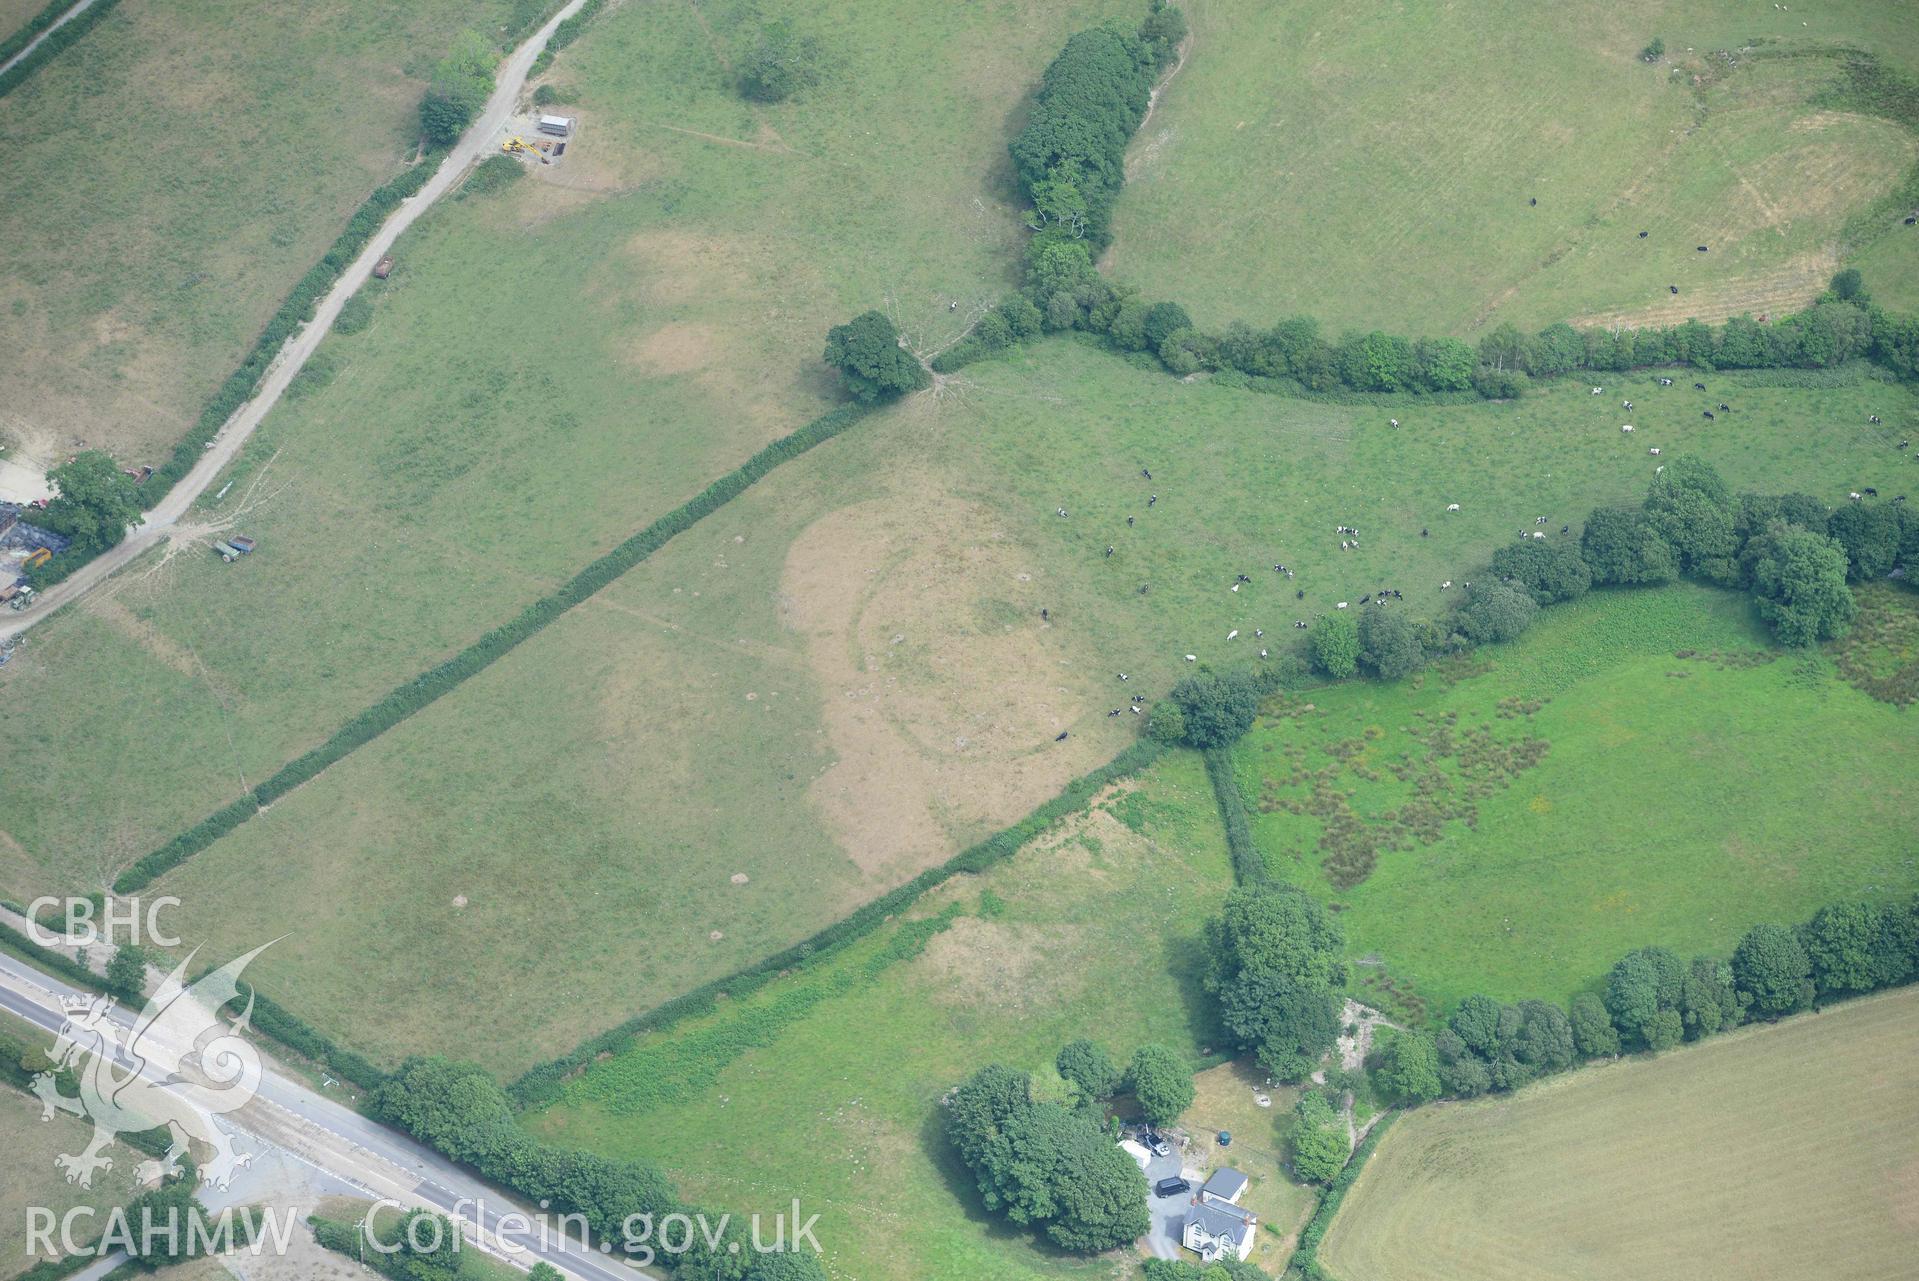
(158, 1232)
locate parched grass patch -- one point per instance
(1373, 164)
(1638, 769)
(1773, 1153)
(1094, 932)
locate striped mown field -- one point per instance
(1776, 1152)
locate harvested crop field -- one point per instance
(1772, 1154)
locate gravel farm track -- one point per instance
(165, 520)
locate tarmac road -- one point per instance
(345, 1147)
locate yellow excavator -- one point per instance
(517, 145)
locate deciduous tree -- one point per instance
(1771, 970)
(867, 352)
(1334, 645)
(1799, 584)
(1162, 1083)
(1089, 1069)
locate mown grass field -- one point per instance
(1772, 1153)
(1371, 165)
(1891, 263)
(843, 677)
(168, 178)
(1638, 769)
(825, 1086)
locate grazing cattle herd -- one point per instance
(1350, 535)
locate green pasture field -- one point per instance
(169, 177)
(843, 676)
(1371, 164)
(1637, 769)
(549, 369)
(1772, 1153)
(827, 1088)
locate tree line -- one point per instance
(1070, 163)
(1293, 355)
(1276, 972)
(1794, 554)
(1652, 1000)
(459, 1111)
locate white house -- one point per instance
(1216, 1226)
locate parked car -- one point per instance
(1155, 1144)
(1171, 1187)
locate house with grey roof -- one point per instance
(1226, 1185)
(1217, 1226)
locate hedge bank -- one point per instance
(57, 41)
(436, 682)
(541, 1084)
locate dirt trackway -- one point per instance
(227, 443)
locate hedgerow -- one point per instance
(566, 33)
(542, 1084)
(1305, 1260)
(294, 1032)
(667, 1071)
(1070, 160)
(295, 311)
(1249, 866)
(436, 682)
(269, 1017)
(47, 958)
(241, 384)
(39, 22)
(57, 41)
